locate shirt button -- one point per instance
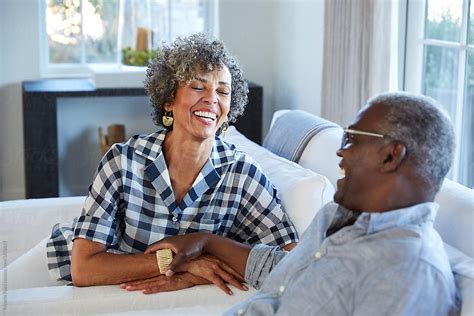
(317, 255)
(174, 219)
(240, 312)
(282, 289)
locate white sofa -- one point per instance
(303, 189)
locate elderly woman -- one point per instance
(183, 178)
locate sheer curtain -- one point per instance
(356, 62)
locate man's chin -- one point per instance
(338, 197)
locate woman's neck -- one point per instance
(185, 158)
(179, 150)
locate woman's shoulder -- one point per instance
(154, 139)
(145, 143)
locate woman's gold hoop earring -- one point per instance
(167, 119)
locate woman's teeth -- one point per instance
(206, 115)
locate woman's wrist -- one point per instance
(206, 239)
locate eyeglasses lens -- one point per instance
(344, 140)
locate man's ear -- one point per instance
(394, 155)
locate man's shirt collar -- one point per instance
(371, 222)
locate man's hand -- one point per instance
(209, 269)
(186, 247)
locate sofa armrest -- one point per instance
(455, 219)
(26, 222)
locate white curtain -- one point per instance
(356, 62)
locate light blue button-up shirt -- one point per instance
(390, 263)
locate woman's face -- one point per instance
(201, 106)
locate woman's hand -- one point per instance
(163, 284)
(186, 247)
(216, 271)
(204, 270)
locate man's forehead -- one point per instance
(370, 116)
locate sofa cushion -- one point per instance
(112, 300)
(455, 219)
(302, 191)
(318, 144)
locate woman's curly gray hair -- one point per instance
(179, 63)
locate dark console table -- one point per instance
(40, 125)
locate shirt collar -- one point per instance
(150, 147)
(413, 215)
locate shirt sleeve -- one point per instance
(261, 260)
(97, 221)
(406, 290)
(261, 218)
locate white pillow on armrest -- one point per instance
(302, 191)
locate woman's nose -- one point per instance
(211, 97)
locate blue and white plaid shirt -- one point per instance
(131, 203)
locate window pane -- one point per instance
(467, 147)
(145, 24)
(471, 24)
(443, 20)
(440, 71)
(187, 16)
(63, 25)
(100, 30)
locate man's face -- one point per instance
(361, 161)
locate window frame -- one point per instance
(87, 70)
(413, 64)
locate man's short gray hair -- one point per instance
(422, 126)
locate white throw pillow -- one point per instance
(302, 191)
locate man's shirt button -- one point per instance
(317, 255)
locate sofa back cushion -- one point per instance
(314, 143)
(302, 191)
(455, 219)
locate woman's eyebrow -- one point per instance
(204, 80)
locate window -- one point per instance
(440, 63)
(78, 33)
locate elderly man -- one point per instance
(375, 252)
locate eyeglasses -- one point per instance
(348, 132)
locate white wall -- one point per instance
(279, 45)
(2, 28)
(19, 61)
